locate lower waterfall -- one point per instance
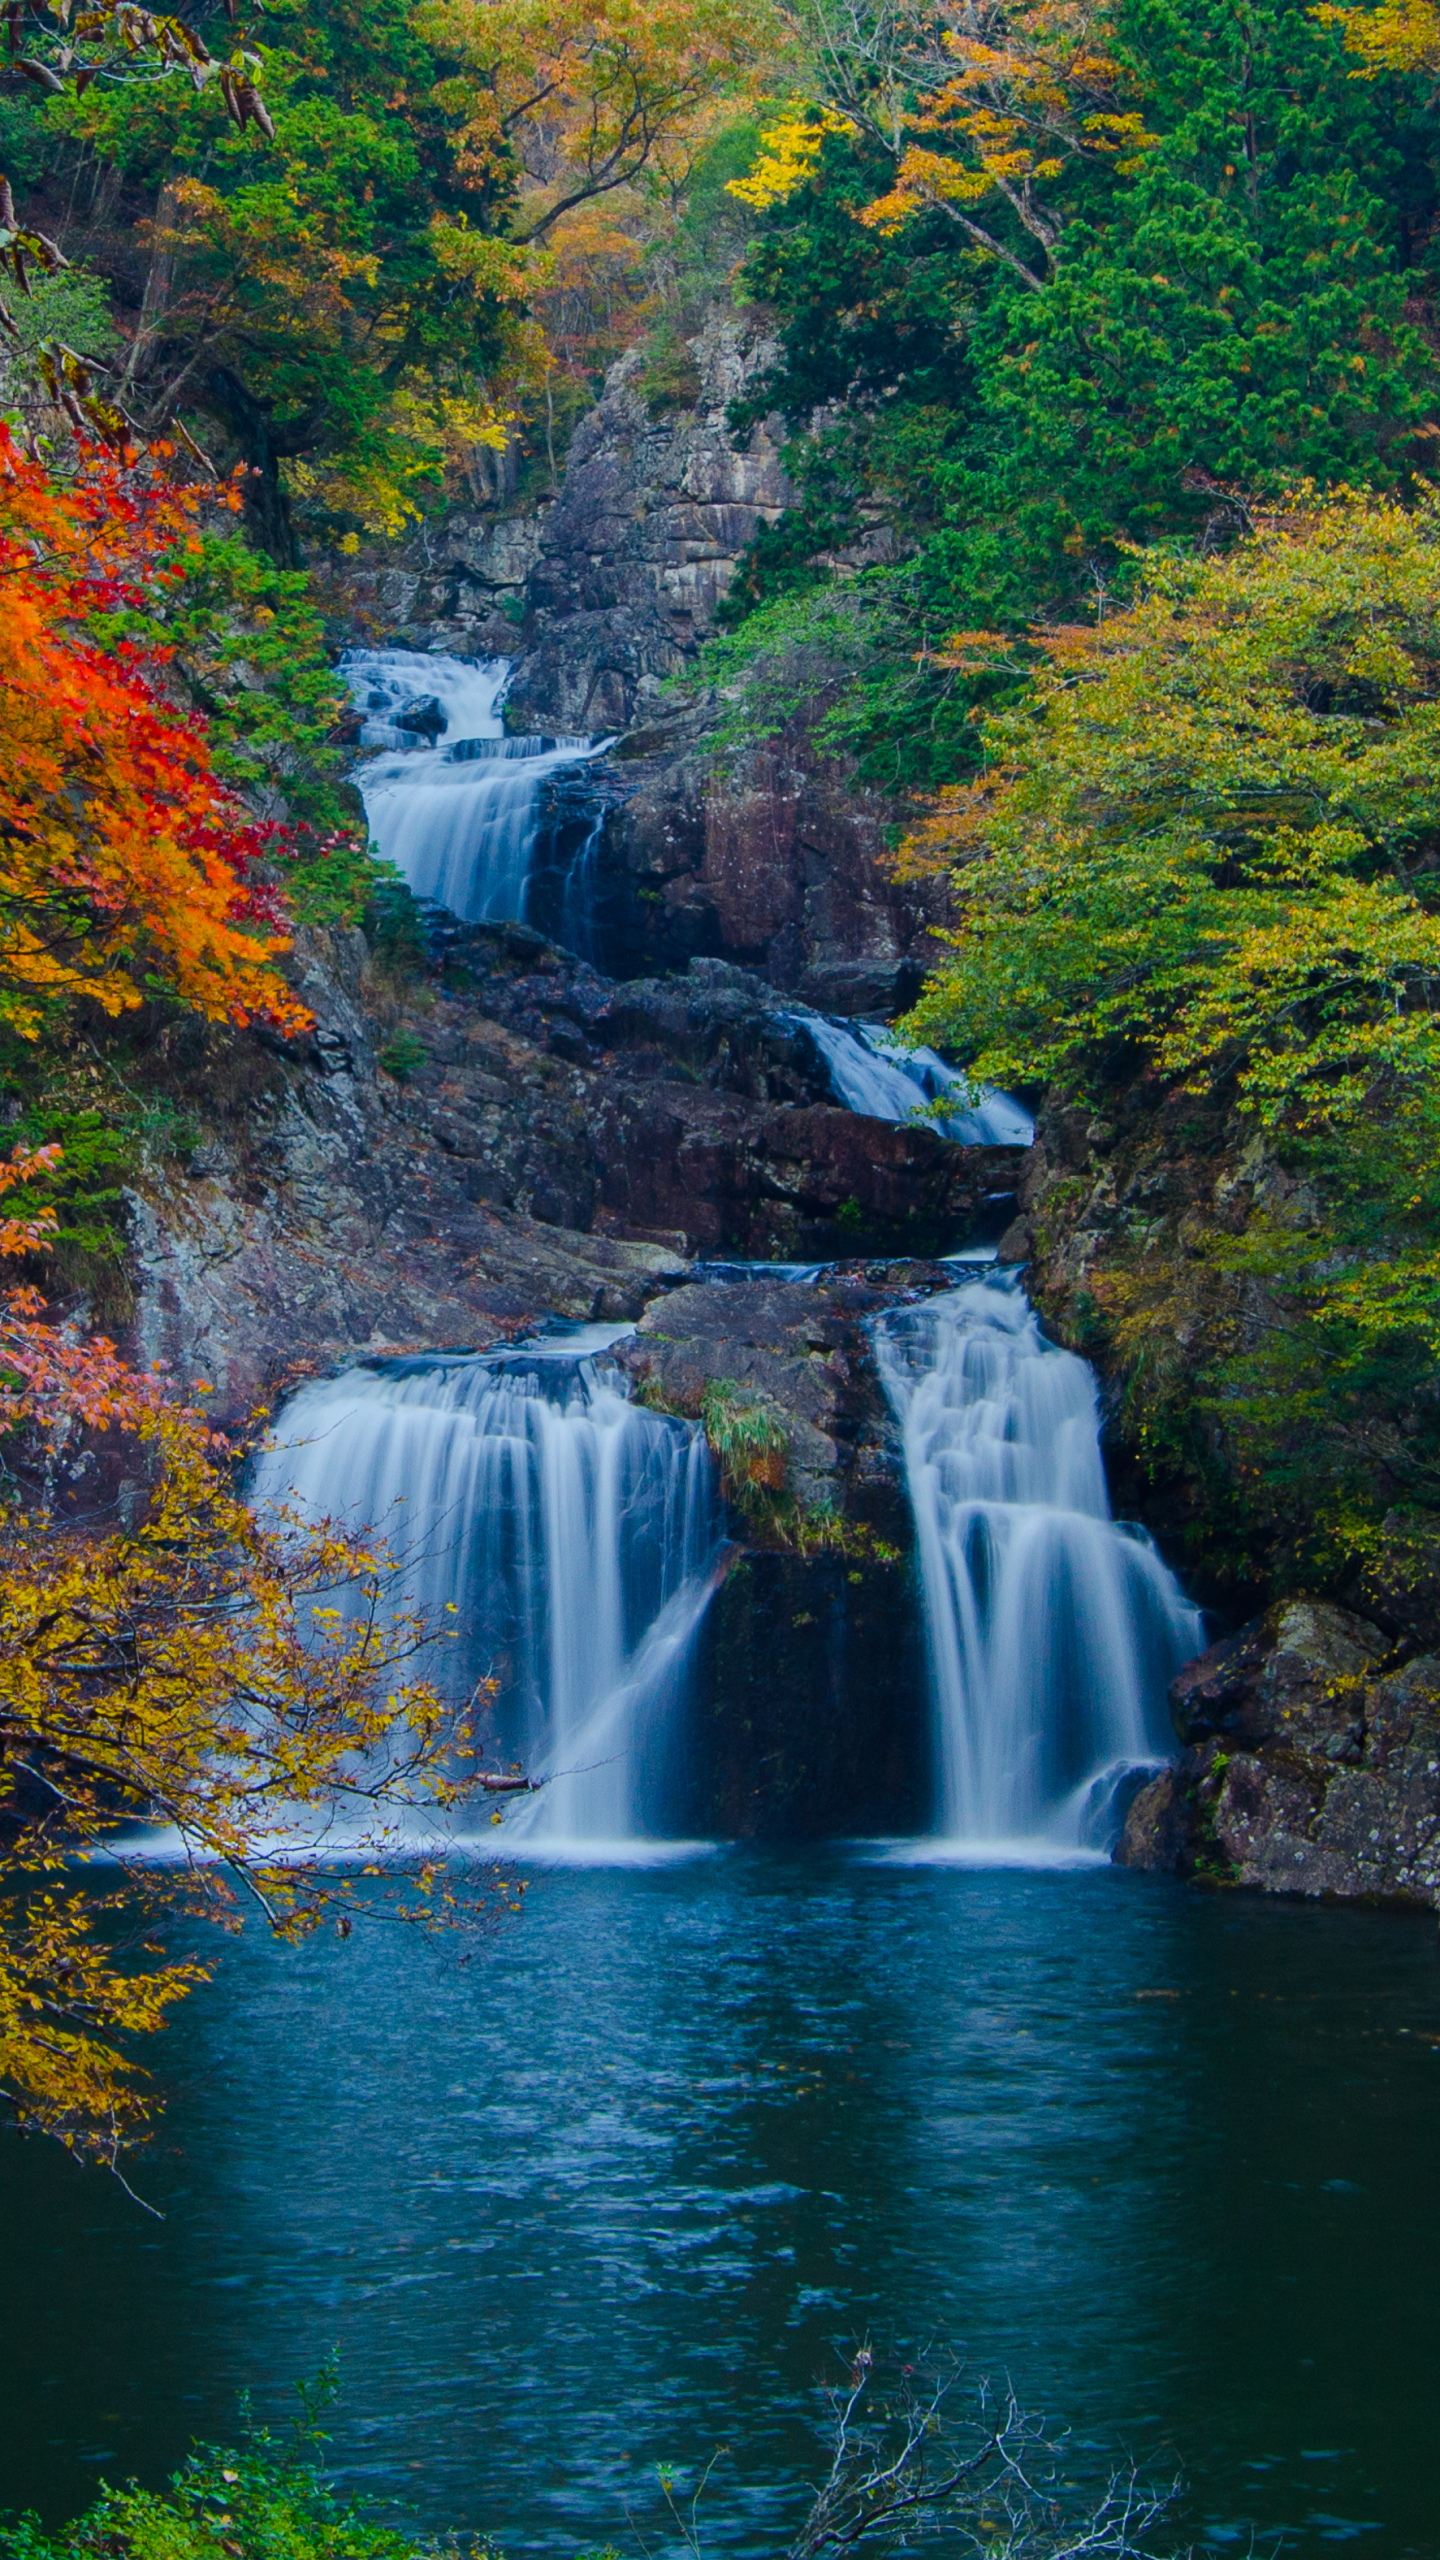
(458, 812)
(1051, 1629)
(575, 1534)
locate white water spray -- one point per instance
(873, 1074)
(458, 814)
(575, 1534)
(1052, 1630)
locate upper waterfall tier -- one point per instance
(1051, 1629)
(452, 801)
(872, 1073)
(572, 1533)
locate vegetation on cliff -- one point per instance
(1108, 341)
(1199, 862)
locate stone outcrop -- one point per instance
(658, 505)
(510, 1137)
(811, 1718)
(801, 1353)
(811, 1713)
(776, 857)
(1311, 1764)
(323, 1215)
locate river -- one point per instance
(616, 2190)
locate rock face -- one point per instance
(812, 1717)
(510, 1137)
(1310, 1766)
(658, 505)
(776, 858)
(804, 1354)
(812, 1714)
(323, 1215)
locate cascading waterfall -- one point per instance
(1052, 1630)
(873, 1074)
(459, 813)
(575, 1534)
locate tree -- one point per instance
(1201, 861)
(970, 105)
(349, 307)
(168, 1658)
(1204, 843)
(120, 853)
(592, 96)
(1399, 35)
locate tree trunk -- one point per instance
(263, 447)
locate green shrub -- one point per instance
(748, 1441)
(402, 1055)
(268, 2501)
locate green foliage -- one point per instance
(312, 303)
(747, 1438)
(1206, 840)
(73, 305)
(669, 377)
(1204, 860)
(250, 647)
(111, 1130)
(268, 2500)
(402, 1055)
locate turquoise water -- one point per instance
(618, 2189)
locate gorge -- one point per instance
(718, 1004)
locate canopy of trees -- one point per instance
(328, 262)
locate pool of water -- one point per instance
(618, 2189)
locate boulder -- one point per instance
(1311, 1767)
(422, 716)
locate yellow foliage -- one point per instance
(241, 1682)
(596, 95)
(1010, 115)
(1401, 35)
(1192, 834)
(792, 147)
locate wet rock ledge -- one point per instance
(510, 1136)
(1311, 1764)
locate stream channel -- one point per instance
(627, 2184)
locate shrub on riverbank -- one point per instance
(270, 2501)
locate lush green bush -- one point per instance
(269, 2500)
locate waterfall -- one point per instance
(457, 812)
(1052, 1629)
(578, 897)
(575, 1534)
(873, 1074)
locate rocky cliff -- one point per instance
(774, 857)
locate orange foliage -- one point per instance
(123, 861)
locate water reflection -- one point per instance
(612, 2193)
